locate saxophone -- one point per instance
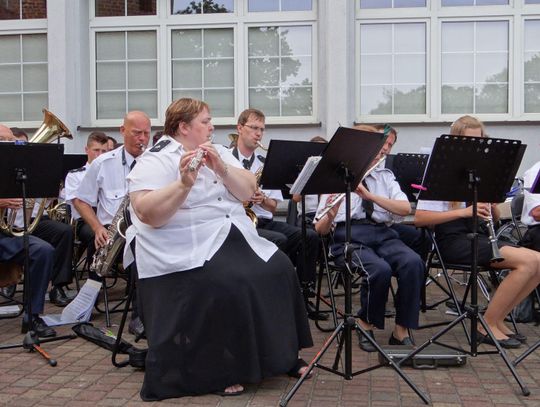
(105, 256)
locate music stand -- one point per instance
(479, 170)
(71, 162)
(30, 171)
(409, 169)
(282, 165)
(344, 162)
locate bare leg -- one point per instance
(400, 332)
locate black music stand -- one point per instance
(344, 162)
(479, 170)
(409, 169)
(71, 162)
(282, 165)
(30, 171)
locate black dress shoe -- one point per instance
(136, 328)
(364, 343)
(520, 337)
(510, 343)
(58, 297)
(405, 341)
(315, 315)
(40, 328)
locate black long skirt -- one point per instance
(236, 319)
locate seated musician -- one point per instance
(452, 227)
(288, 238)
(40, 262)
(380, 253)
(530, 215)
(221, 306)
(96, 144)
(60, 236)
(104, 187)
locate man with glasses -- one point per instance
(251, 127)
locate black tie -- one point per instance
(367, 206)
(132, 164)
(247, 164)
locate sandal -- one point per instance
(295, 371)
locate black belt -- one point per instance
(360, 222)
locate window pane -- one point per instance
(142, 75)
(143, 101)
(376, 100)
(35, 78)
(263, 5)
(111, 105)
(375, 3)
(376, 69)
(410, 100)
(219, 73)
(458, 68)
(111, 75)
(296, 71)
(263, 41)
(410, 69)
(11, 9)
(110, 46)
(110, 8)
(457, 37)
(295, 5)
(141, 45)
(187, 74)
(10, 78)
(457, 99)
(409, 3)
(10, 48)
(410, 38)
(263, 72)
(297, 102)
(492, 36)
(491, 68)
(376, 38)
(187, 44)
(219, 43)
(532, 98)
(266, 100)
(202, 6)
(10, 108)
(221, 101)
(33, 105)
(492, 99)
(532, 1)
(451, 3)
(188, 93)
(532, 67)
(34, 47)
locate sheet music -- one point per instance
(305, 174)
(78, 310)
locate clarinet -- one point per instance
(492, 236)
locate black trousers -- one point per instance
(289, 240)
(41, 261)
(531, 240)
(60, 236)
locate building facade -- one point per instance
(310, 65)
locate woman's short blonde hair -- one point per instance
(466, 122)
(182, 110)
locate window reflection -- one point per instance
(115, 8)
(202, 6)
(23, 9)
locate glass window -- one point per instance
(531, 49)
(23, 9)
(532, 1)
(280, 70)
(451, 3)
(280, 5)
(23, 77)
(393, 69)
(203, 67)
(201, 7)
(115, 8)
(126, 73)
(474, 67)
(391, 3)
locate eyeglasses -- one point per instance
(255, 128)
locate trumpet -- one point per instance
(339, 197)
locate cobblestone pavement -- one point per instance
(85, 376)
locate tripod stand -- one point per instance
(346, 171)
(19, 163)
(480, 161)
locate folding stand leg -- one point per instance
(531, 349)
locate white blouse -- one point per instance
(200, 226)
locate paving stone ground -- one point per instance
(85, 376)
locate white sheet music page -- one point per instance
(305, 174)
(78, 310)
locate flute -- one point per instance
(195, 161)
(339, 197)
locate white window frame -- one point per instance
(24, 27)
(516, 12)
(240, 20)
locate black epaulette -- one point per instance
(160, 146)
(78, 169)
(261, 158)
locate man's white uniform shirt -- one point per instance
(530, 201)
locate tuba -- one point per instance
(50, 130)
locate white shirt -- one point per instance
(312, 202)
(270, 193)
(530, 201)
(200, 226)
(104, 184)
(381, 181)
(71, 184)
(437, 206)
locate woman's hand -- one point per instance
(482, 210)
(188, 176)
(11, 203)
(213, 160)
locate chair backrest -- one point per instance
(516, 207)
